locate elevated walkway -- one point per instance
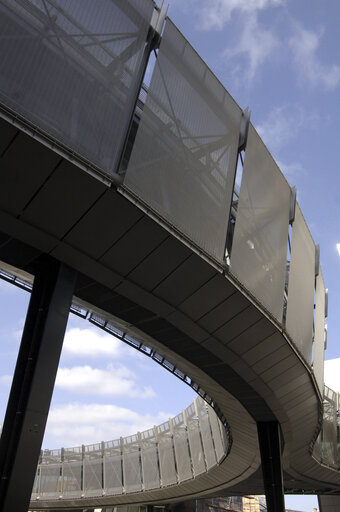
(135, 190)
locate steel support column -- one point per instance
(269, 436)
(33, 383)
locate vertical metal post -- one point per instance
(33, 382)
(270, 449)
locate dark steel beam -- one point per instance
(269, 436)
(33, 382)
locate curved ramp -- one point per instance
(135, 189)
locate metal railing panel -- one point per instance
(69, 68)
(186, 146)
(259, 250)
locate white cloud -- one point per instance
(112, 381)
(6, 380)
(74, 424)
(332, 374)
(91, 342)
(214, 14)
(338, 248)
(304, 44)
(291, 170)
(282, 124)
(256, 44)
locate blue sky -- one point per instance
(279, 58)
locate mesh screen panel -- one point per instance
(72, 479)
(50, 479)
(319, 333)
(150, 465)
(132, 468)
(181, 445)
(184, 156)
(300, 304)
(329, 433)
(69, 67)
(209, 450)
(216, 432)
(259, 250)
(113, 473)
(93, 474)
(196, 448)
(167, 460)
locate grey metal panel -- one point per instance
(157, 266)
(209, 450)
(166, 455)
(319, 331)
(72, 480)
(259, 251)
(94, 236)
(300, 303)
(181, 444)
(95, 49)
(50, 479)
(134, 246)
(113, 472)
(186, 146)
(185, 280)
(195, 442)
(24, 167)
(150, 464)
(132, 467)
(93, 473)
(216, 432)
(63, 205)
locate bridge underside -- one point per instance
(132, 268)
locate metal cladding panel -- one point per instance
(132, 468)
(181, 445)
(216, 432)
(329, 433)
(319, 331)
(209, 450)
(93, 475)
(167, 459)
(196, 449)
(300, 302)
(69, 67)
(150, 465)
(259, 250)
(184, 156)
(50, 479)
(72, 479)
(113, 474)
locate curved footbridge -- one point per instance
(160, 213)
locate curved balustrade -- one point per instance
(186, 446)
(180, 169)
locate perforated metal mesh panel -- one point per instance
(329, 429)
(207, 440)
(132, 468)
(50, 479)
(166, 457)
(258, 256)
(68, 66)
(196, 448)
(216, 432)
(93, 474)
(184, 156)
(72, 479)
(300, 304)
(150, 464)
(182, 453)
(319, 331)
(113, 472)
